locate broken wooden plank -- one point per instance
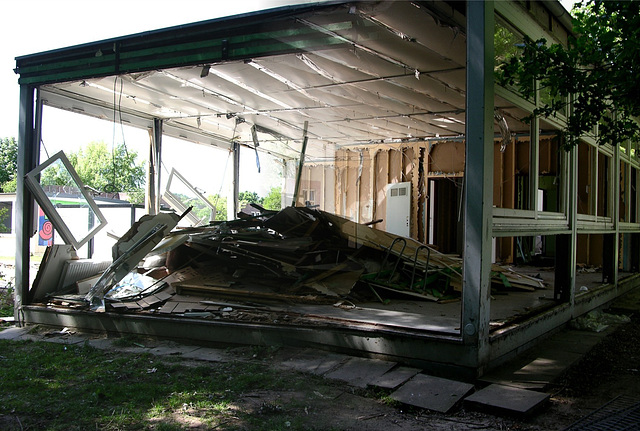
(168, 307)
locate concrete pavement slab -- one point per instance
(13, 333)
(394, 378)
(206, 354)
(315, 361)
(360, 372)
(507, 399)
(433, 393)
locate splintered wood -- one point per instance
(305, 256)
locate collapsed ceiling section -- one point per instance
(375, 72)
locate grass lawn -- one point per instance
(49, 386)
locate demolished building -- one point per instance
(417, 186)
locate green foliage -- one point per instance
(8, 162)
(10, 186)
(245, 198)
(199, 208)
(136, 196)
(220, 202)
(4, 214)
(104, 170)
(505, 44)
(273, 200)
(6, 299)
(108, 171)
(55, 175)
(600, 67)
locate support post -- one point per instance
(155, 159)
(616, 216)
(478, 187)
(534, 165)
(236, 178)
(296, 190)
(571, 205)
(28, 154)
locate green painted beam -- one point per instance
(226, 39)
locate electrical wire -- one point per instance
(113, 138)
(117, 120)
(44, 147)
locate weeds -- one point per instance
(6, 300)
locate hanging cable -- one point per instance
(44, 147)
(113, 141)
(124, 142)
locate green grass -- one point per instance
(50, 386)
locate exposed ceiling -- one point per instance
(389, 71)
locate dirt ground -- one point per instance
(609, 370)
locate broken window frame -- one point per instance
(32, 180)
(175, 202)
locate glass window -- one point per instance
(64, 199)
(180, 194)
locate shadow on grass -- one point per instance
(64, 387)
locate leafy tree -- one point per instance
(505, 43)
(102, 170)
(10, 186)
(220, 202)
(55, 175)
(273, 200)
(8, 163)
(108, 171)
(245, 198)
(594, 78)
(4, 214)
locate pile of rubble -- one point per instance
(296, 255)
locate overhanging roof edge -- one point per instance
(106, 57)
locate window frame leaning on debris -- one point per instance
(33, 182)
(177, 204)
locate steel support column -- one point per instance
(478, 178)
(534, 164)
(571, 206)
(616, 210)
(236, 178)
(152, 205)
(28, 151)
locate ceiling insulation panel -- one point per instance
(386, 71)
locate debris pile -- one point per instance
(296, 255)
